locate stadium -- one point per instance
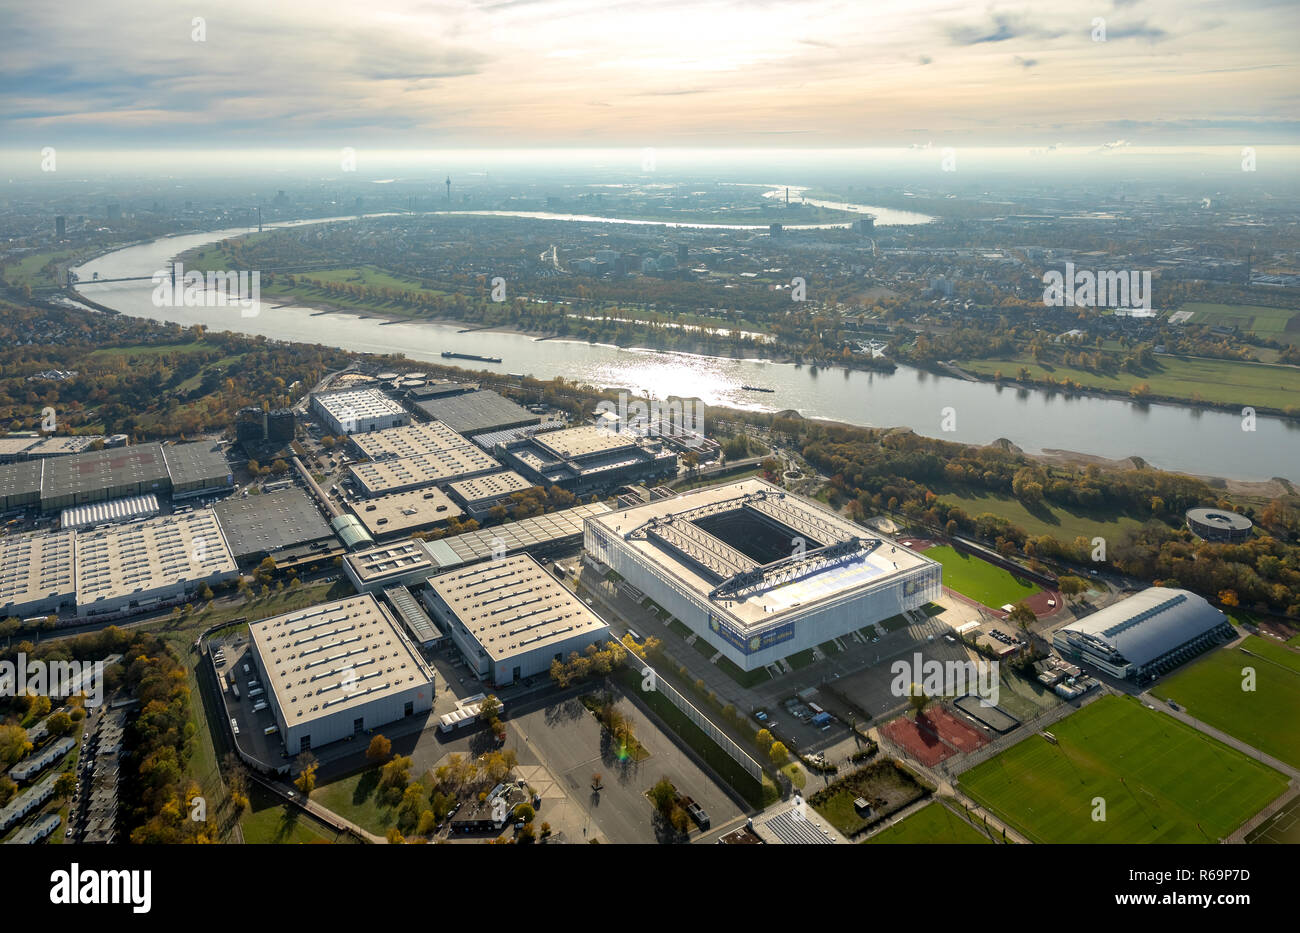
(1144, 636)
(757, 572)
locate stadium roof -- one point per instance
(1148, 624)
(839, 557)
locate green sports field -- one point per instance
(1257, 319)
(1161, 780)
(1211, 690)
(933, 824)
(978, 579)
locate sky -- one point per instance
(494, 74)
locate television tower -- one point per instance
(449, 190)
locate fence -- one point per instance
(689, 710)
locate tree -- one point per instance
(779, 753)
(490, 711)
(65, 784)
(1071, 586)
(59, 723)
(13, 744)
(918, 699)
(395, 837)
(663, 795)
(306, 781)
(1022, 615)
(525, 812)
(379, 750)
(427, 823)
(764, 740)
(1229, 598)
(396, 774)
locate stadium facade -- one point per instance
(1144, 636)
(758, 572)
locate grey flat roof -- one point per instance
(399, 512)
(412, 440)
(199, 462)
(102, 469)
(476, 412)
(271, 521)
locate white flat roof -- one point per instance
(336, 656)
(582, 441)
(36, 567)
(514, 605)
(409, 441)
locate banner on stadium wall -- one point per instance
(755, 643)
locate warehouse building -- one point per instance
(588, 459)
(16, 448)
(337, 670)
(20, 485)
(413, 440)
(510, 618)
(477, 412)
(400, 513)
(150, 564)
(354, 411)
(480, 494)
(759, 573)
(385, 476)
(401, 563)
(37, 574)
(1144, 636)
(267, 524)
(414, 619)
(197, 469)
(103, 474)
(57, 483)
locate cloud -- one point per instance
(1141, 30)
(1000, 28)
(925, 60)
(1025, 62)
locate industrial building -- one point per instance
(410, 562)
(510, 618)
(150, 564)
(587, 459)
(1218, 525)
(268, 523)
(385, 476)
(338, 669)
(56, 483)
(477, 412)
(400, 513)
(481, 494)
(413, 440)
(354, 411)
(413, 617)
(759, 573)
(37, 574)
(16, 448)
(1144, 636)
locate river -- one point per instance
(1170, 437)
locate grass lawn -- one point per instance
(704, 648)
(1162, 781)
(795, 774)
(932, 824)
(829, 648)
(744, 678)
(894, 623)
(1267, 322)
(978, 579)
(888, 787)
(356, 798)
(1043, 519)
(800, 658)
(1211, 690)
(1224, 381)
(267, 821)
(679, 628)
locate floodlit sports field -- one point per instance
(1211, 690)
(978, 579)
(933, 824)
(1162, 781)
